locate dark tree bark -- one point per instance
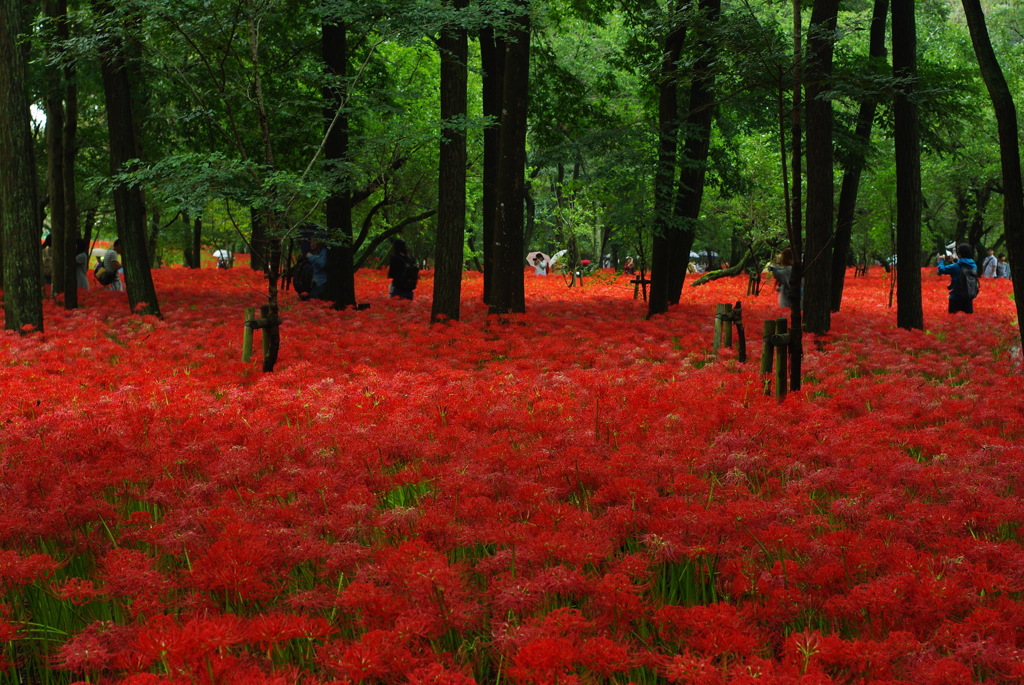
(693, 162)
(817, 298)
(341, 288)
(258, 244)
(796, 226)
(19, 217)
(976, 229)
(664, 176)
(492, 62)
(909, 312)
(851, 177)
(197, 242)
(507, 287)
(70, 148)
(1009, 147)
(125, 146)
(451, 193)
(63, 243)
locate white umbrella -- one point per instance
(557, 255)
(532, 258)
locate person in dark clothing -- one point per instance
(955, 269)
(317, 256)
(402, 271)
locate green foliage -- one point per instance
(593, 107)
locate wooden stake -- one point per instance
(781, 356)
(721, 311)
(766, 349)
(250, 314)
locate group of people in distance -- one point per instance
(403, 271)
(961, 268)
(110, 261)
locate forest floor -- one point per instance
(570, 495)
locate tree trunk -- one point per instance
(125, 147)
(507, 287)
(1009, 148)
(69, 146)
(19, 217)
(492, 62)
(909, 312)
(154, 237)
(341, 288)
(851, 178)
(817, 297)
(62, 269)
(690, 193)
(258, 240)
(664, 176)
(796, 225)
(451, 192)
(197, 242)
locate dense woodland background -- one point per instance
(480, 130)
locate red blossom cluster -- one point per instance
(573, 495)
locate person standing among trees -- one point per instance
(782, 274)
(989, 266)
(402, 271)
(1002, 267)
(962, 270)
(317, 257)
(112, 264)
(82, 263)
(47, 259)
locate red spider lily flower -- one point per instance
(436, 674)
(377, 655)
(77, 590)
(16, 570)
(271, 629)
(692, 670)
(544, 659)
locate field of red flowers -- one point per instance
(574, 495)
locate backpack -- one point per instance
(967, 286)
(103, 277)
(302, 277)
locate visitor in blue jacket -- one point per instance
(317, 257)
(964, 259)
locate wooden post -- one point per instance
(781, 355)
(265, 337)
(721, 311)
(737, 317)
(767, 350)
(727, 326)
(250, 314)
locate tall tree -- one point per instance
(820, 186)
(855, 164)
(1009, 147)
(909, 312)
(125, 152)
(796, 223)
(492, 63)
(340, 269)
(451, 196)
(69, 146)
(664, 177)
(507, 287)
(63, 235)
(23, 294)
(693, 161)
